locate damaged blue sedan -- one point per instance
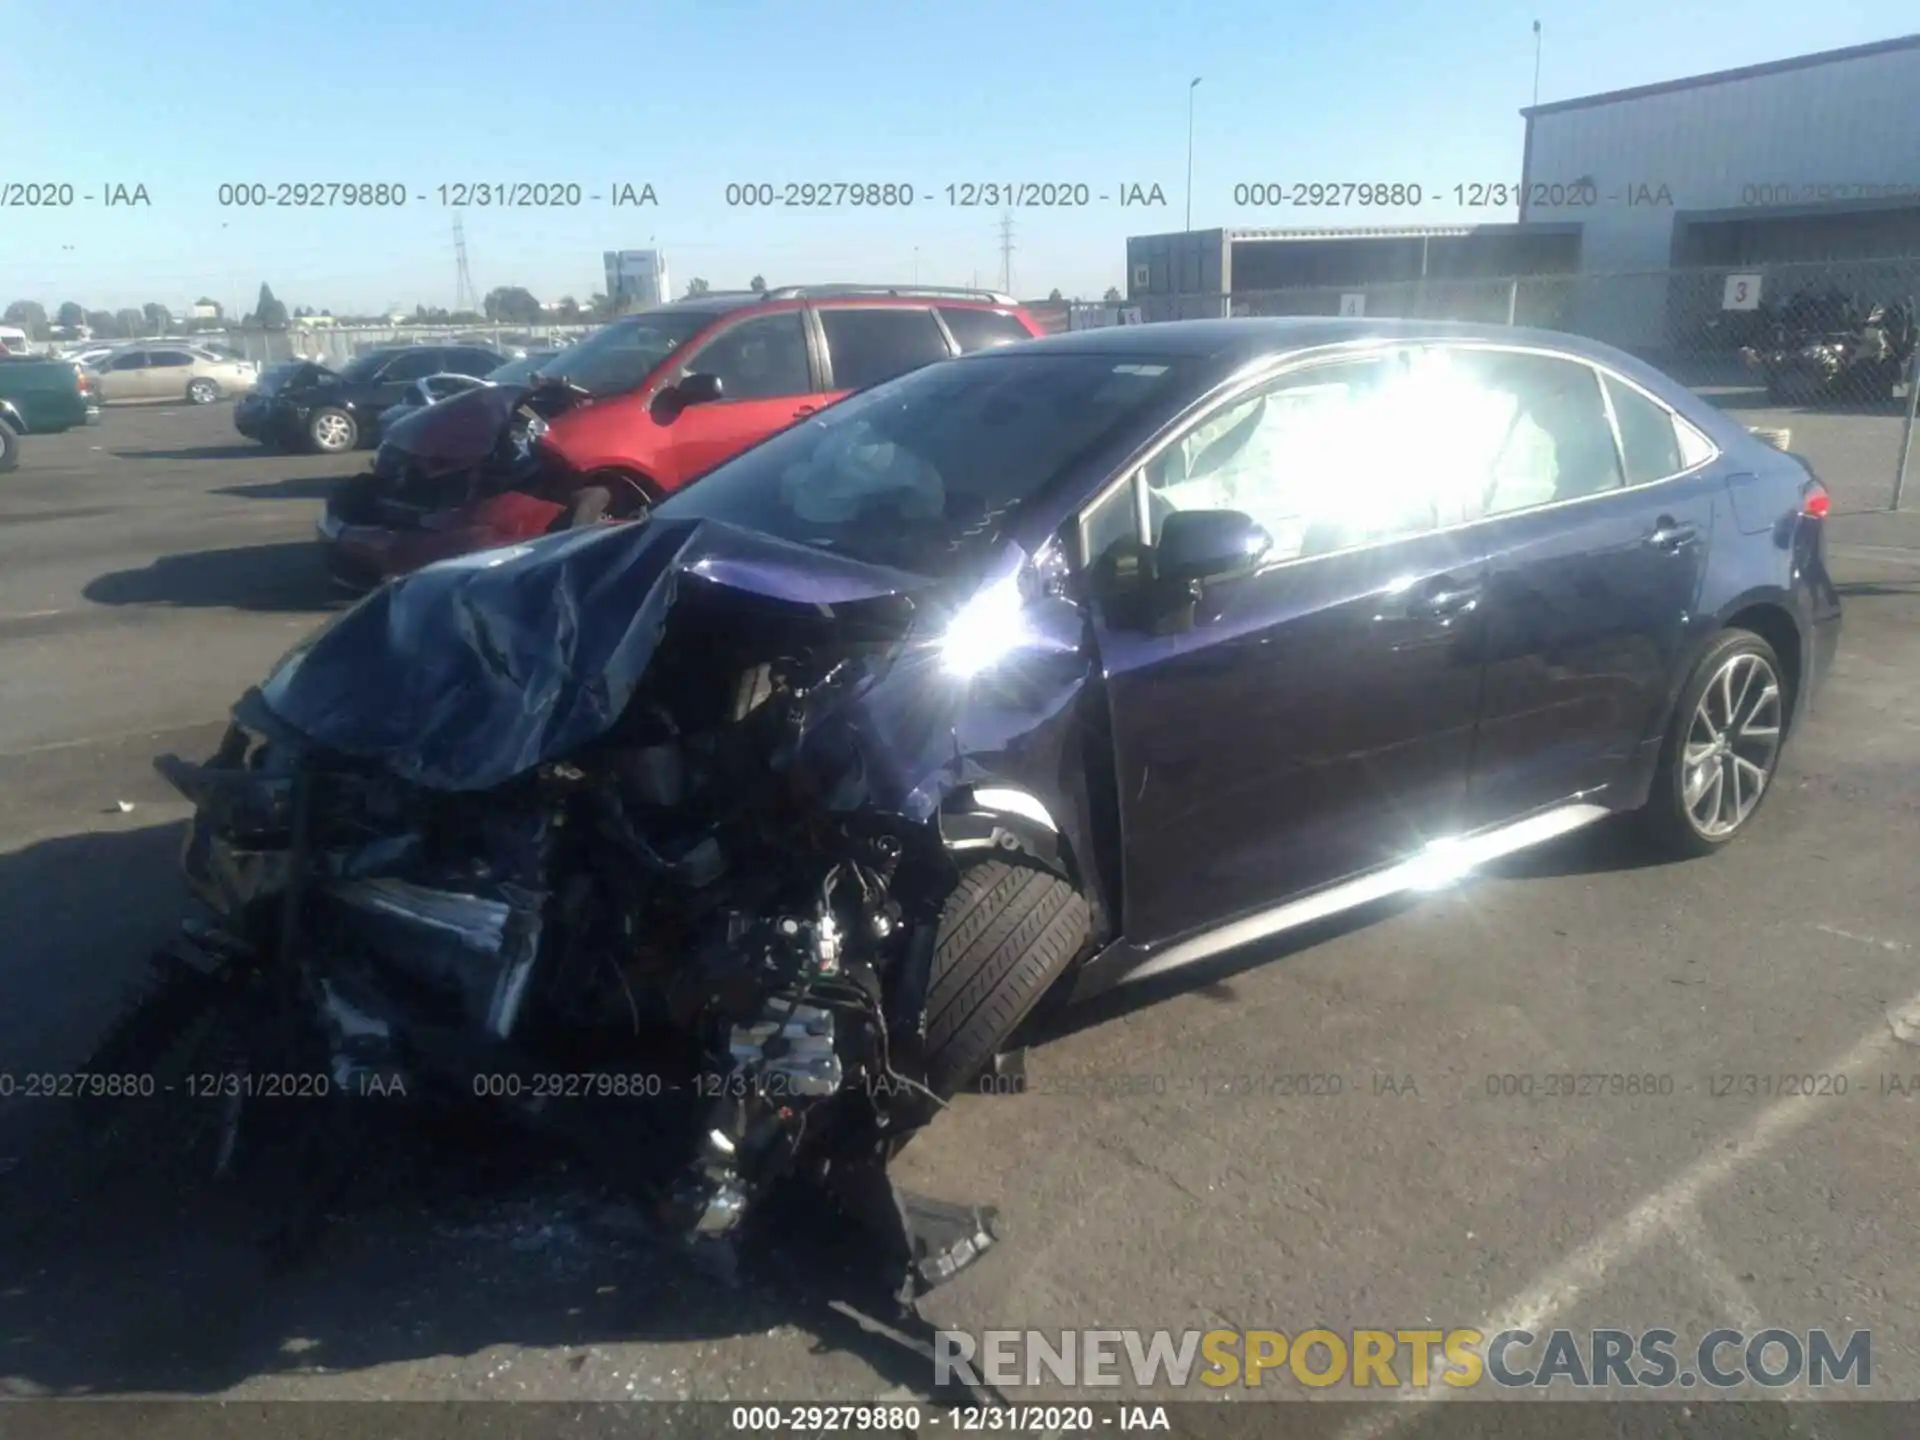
(783, 811)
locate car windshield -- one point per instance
(927, 472)
(518, 372)
(619, 357)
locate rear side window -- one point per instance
(1527, 429)
(1648, 440)
(414, 365)
(982, 329)
(866, 347)
(170, 359)
(470, 362)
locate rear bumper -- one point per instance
(1823, 644)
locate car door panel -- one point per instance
(766, 366)
(1590, 595)
(1316, 719)
(1585, 614)
(125, 377)
(1316, 722)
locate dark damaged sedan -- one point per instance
(1055, 666)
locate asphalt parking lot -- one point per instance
(1154, 1176)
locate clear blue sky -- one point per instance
(688, 97)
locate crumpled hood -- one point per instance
(475, 670)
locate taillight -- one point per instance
(1815, 502)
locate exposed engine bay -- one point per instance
(671, 941)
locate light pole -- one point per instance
(1193, 85)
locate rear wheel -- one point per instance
(1007, 933)
(1722, 747)
(9, 448)
(202, 392)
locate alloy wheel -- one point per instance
(1731, 745)
(330, 432)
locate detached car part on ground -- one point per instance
(732, 842)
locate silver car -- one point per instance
(161, 371)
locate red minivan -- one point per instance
(779, 355)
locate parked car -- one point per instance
(91, 355)
(421, 393)
(156, 370)
(669, 393)
(1830, 349)
(316, 408)
(42, 396)
(1007, 681)
(435, 388)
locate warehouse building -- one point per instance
(1765, 169)
(1409, 270)
(1641, 212)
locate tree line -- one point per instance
(504, 304)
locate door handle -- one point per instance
(1671, 534)
(1445, 596)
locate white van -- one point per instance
(15, 339)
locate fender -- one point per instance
(1771, 596)
(15, 421)
(1006, 818)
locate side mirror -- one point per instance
(1201, 545)
(698, 388)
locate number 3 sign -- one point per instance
(1742, 293)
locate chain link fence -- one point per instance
(1817, 357)
(335, 345)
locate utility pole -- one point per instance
(1536, 62)
(463, 297)
(1191, 87)
(1006, 253)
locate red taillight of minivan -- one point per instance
(1815, 503)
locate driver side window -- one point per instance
(1319, 459)
(764, 358)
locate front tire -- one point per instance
(609, 495)
(332, 431)
(1722, 747)
(1007, 933)
(9, 448)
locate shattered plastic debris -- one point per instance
(1905, 1024)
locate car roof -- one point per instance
(723, 302)
(1254, 337)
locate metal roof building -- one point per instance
(1815, 158)
(1799, 173)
